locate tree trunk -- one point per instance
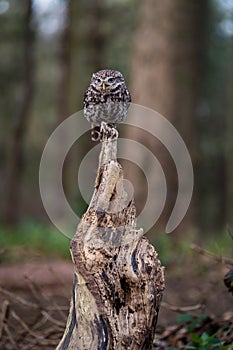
(118, 280)
(15, 158)
(63, 88)
(229, 152)
(166, 77)
(86, 49)
(83, 42)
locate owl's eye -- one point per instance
(111, 80)
(98, 81)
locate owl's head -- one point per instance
(107, 80)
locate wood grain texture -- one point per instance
(118, 280)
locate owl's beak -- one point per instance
(103, 86)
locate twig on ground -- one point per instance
(51, 319)
(18, 299)
(11, 339)
(220, 259)
(182, 309)
(4, 315)
(25, 326)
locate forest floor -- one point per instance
(196, 312)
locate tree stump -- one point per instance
(118, 280)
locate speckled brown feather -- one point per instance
(109, 105)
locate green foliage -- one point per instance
(202, 341)
(220, 244)
(169, 247)
(191, 320)
(32, 239)
(206, 341)
(172, 249)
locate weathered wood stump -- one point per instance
(118, 280)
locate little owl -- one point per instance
(106, 101)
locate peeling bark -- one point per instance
(118, 280)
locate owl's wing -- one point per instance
(86, 99)
(127, 96)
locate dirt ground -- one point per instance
(196, 287)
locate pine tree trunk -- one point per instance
(229, 152)
(15, 157)
(166, 73)
(118, 280)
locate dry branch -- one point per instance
(220, 259)
(182, 309)
(118, 280)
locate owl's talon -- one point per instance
(108, 132)
(114, 134)
(95, 135)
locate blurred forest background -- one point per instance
(177, 57)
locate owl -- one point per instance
(107, 100)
